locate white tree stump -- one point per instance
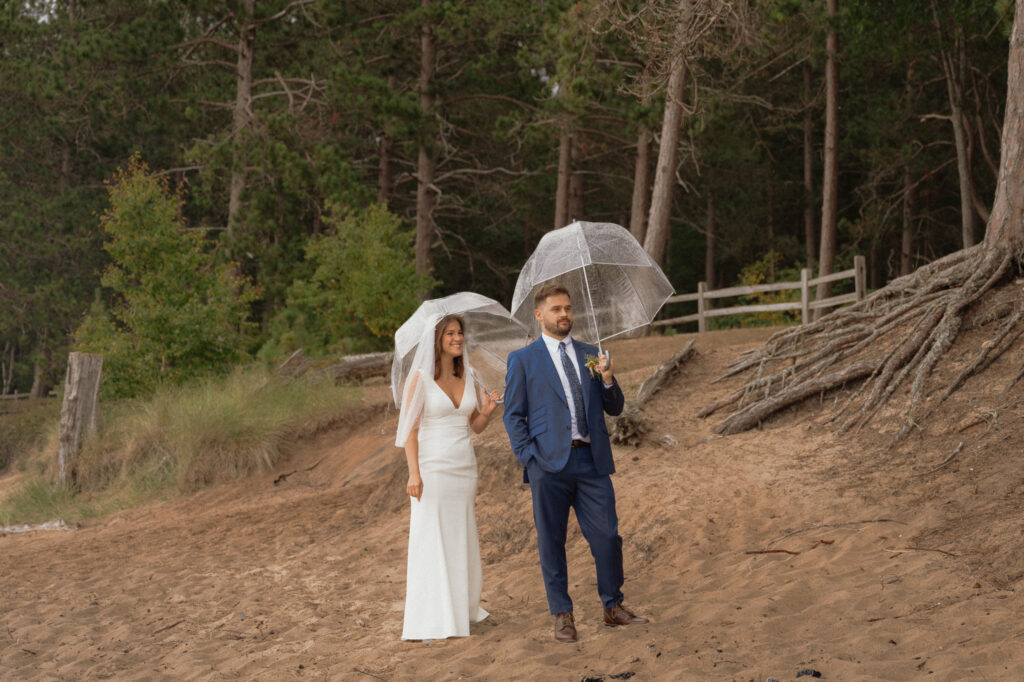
(80, 412)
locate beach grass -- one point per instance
(178, 440)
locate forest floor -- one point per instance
(755, 555)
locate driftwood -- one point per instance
(80, 412)
(295, 366)
(892, 339)
(628, 428)
(348, 367)
(361, 366)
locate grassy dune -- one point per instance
(178, 440)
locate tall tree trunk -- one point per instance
(872, 264)
(576, 207)
(770, 226)
(907, 242)
(668, 154)
(425, 196)
(709, 244)
(977, 203)
(1006, 222)
(830, 180)
(562, 188)
(909, 191)
(242, 115)
(39, 386)
(954, 68)
(384, 178)
(7, 368)
(641, 180)
(810, 240)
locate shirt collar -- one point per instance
(552, 343)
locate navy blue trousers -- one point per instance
(580, 487)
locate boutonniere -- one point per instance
(591, 363)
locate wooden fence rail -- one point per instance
(22, 396)
(805, 305)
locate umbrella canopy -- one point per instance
(491, 334)
(614, 284)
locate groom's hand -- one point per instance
(605, 367)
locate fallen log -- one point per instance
(628, 428)
(361, 366)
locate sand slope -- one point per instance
(870, 565)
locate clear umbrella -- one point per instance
(491, 334)
(614, 284)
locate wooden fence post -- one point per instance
(702, 322)
(80, 412)
(859, 276)
(805, 297)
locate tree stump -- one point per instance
(80, 412)
(628, 428)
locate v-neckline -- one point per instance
(465, 382)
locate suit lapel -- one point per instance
(547, 369)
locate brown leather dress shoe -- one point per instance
(565, 627)
(620, 615)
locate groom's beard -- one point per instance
(560, 329)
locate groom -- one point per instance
(554, 417)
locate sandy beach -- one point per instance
(765, 554)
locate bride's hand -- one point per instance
(490, 402)
(415, 486)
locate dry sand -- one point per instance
(757, 555)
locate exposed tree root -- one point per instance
(989, 353)
(895, 336)
(629, 427)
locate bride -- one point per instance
(440, 404)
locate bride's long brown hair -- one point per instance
(438, 333)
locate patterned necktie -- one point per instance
(576, 388)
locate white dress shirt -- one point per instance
(552, 345)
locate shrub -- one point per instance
(762, 271)
(177, 312)
(363, 286)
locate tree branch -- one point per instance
(297, 4)
(205, 40)
(499, 98)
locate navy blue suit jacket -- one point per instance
(537, 411)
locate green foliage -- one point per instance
(336, 120)
(363, 286)
(764, 271)
(177, 311)
(82, 86)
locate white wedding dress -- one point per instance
(444, 577)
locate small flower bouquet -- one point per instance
(592, 363)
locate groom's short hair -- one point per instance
(547, 291)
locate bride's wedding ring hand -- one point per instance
(414, 487)
(490, 402)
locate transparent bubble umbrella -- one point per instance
(491, 334)
(614, 285)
